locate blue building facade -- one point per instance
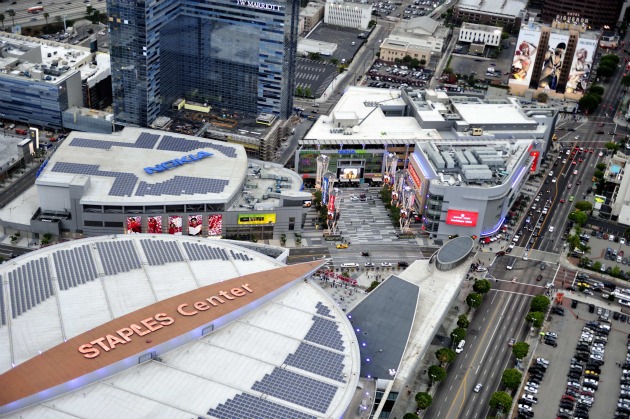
(237, 55)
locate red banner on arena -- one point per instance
(462, 218)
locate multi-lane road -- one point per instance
(68, 9)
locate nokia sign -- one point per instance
(171, 164)
(257, 5)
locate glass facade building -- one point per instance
(236, 55)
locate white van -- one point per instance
(460, 346)
(349, 265)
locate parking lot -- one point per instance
(601, 242)
(314, 75)
(347, 40)
(394, 76)
(483, 67)
(569, 330)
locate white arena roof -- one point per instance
(143, 166)
(289, 351)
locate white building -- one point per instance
(348, 14)
(419, 38)
(480, 34)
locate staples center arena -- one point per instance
(146, 181)
(137, 326)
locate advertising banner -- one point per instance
(154, 225)
(257, 218)
(553, 61)
(414, 177)
(134, 225)
(325, 184)
(215, 225)
(175, 225)
(462, 218)
(195, 224)
(581, 66)
(536, 155)
(350, 173)
(331, 204)
(524, 57)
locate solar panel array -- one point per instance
(180, 185)
(181, 144)
(318, 361)
(298, 389)
(161, 252)
(123, 185)
(239, 256)
(326, 333)
(202, 252)
(145, 140)
(29, 285)
(323, 310)
(246, 406)
(74, 267)
(118, 256)
(3, 316)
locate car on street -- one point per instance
(386, 264)
(369, 265)
(511, 342)
(551, 229)
(478, 387)
(342, 246)
(575, 172)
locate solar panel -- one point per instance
(123, 185)
(247, 406)
(159, 253)
(323, 310)
(118, 256)
(326, 333)
(181, 144)
(145, 140)
(318, 361)
(298, 389)
(29, 285)
(182, 185)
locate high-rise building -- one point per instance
(235, 55)
(598, 13)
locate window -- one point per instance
(113, 224)
(291, 223)
(89, 223)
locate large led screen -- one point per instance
(134, 225)
(195, 224)
(154, 225)
(524, 57)
(215, 225)
(175, 225)
(462, 218)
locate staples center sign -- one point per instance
(462, 218)
(159, 320)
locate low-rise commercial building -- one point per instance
(39, 79)
(348, 14)
(480, 34)
(505, 13)
(311, 15)
(150, 181)
(419, 38)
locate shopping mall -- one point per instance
(146, 181)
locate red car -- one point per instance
(562, 201)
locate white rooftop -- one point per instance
(496, 7)
(199, 375)
(490, 113)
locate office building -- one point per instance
(480, 34)
(505, 13)
(41, 78)
(311, 15)
(238, 57)
(348, 14)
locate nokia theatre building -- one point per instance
(143, 181)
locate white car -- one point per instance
(611, 238)
(542, 361)
(460, 346)
(369, 265)
(477, 388)
(525, 256)
(533, 390)
(386, 264)
(622, 241)
(551, 229)
(601, 154)
(551, 173)
(553, 180)
(575, 172)
(547, 286)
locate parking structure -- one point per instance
(396, 76)
(585, 365)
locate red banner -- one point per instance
(414, 176)
(536, 155)
(462, 218)
(331, 203)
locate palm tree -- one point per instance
(46, 16)
(2, 20)
(11, 13)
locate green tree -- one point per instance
(308, 92)
(599, 174)
(423, 400)
(11, 14)
(584, 206)
(578, 217)
(573, 241)
(611, 146)
(543, 97)
(2, 20)
(445, 355)
(500, 401)
(601, 166)
(423, 62)
(511, 378)
(605, 71)
(436, 374)
(334, 61)
(89, 10)
(615, 271)
(458, 334)
(46, 16)
(610, 58)
(597, 265)
(474, 300)
(314, 56)
(625, 81)
(520, 350)
(411, 416)
(463, 322)
(589, 102)
(482, 286)
(371, 23)
(584, 248)
(539, 303)
(536, 318)
(597, 90)
(407, 59)
(414, 63)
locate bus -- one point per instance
(35, 9)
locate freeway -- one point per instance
(70, 9)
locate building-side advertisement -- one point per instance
(581, 66)
(524, 57)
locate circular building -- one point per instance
(454, 253)
(165, 326)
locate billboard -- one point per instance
(553, 61)
(462, 218)
(154, 225)
(536, 155)
(134, 225)
(257, 218)
(524, 57)
(415, 179)
(215, 225)
(325, 190)
(175, 225)
(195, 224)
(349, 173)
(581, 66)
